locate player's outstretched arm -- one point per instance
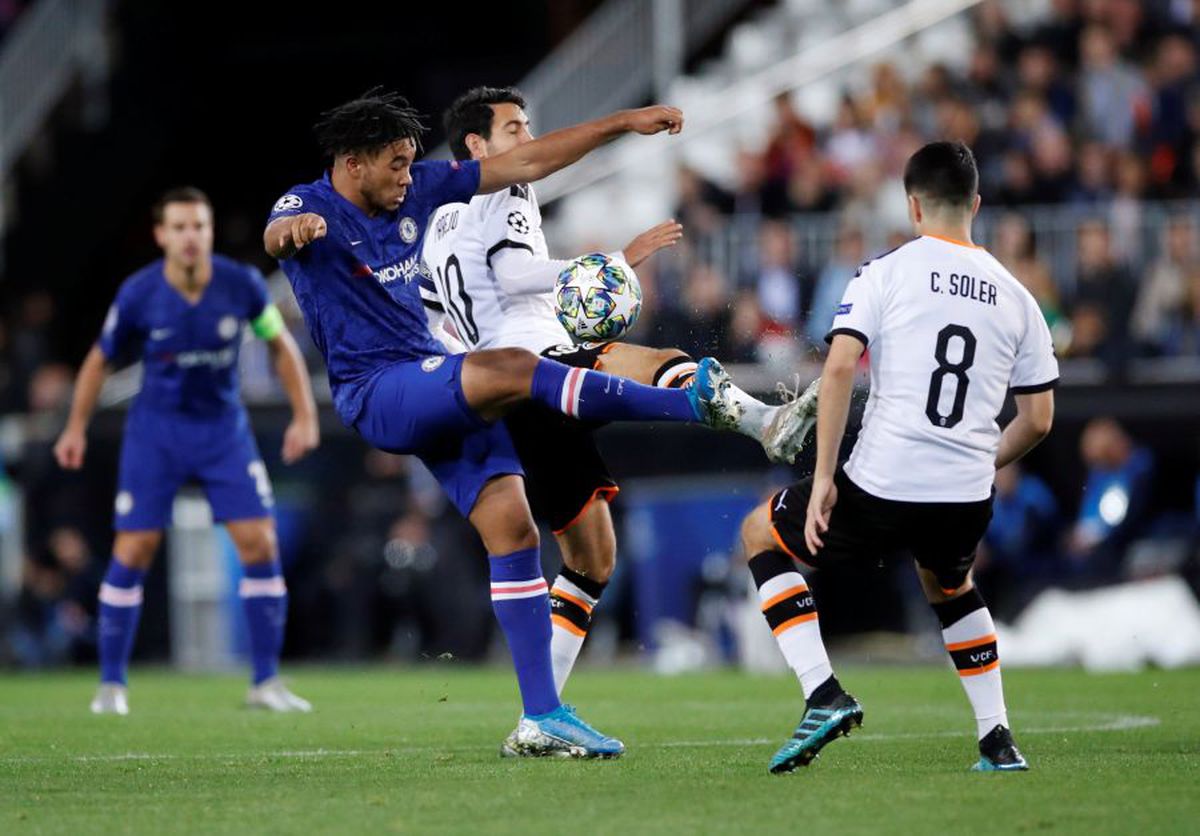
(556, 150)
(1035, 416)
(303, 433)
(284, 237)
(833, 408)
(72, 444)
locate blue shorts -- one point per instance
(164, 450)
(418, 408)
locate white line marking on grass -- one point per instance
(1114, 722)
(1099, 723)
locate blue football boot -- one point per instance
(820, 724)
(562, 734)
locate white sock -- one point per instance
(570, 616)
(788, 605)
(971, 643)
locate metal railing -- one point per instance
(53, 43)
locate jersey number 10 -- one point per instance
(957, 370)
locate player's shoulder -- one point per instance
(141, 282)
(303, 197)
(880, 264)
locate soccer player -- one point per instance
(350, 243)
(949, 333)
(492, 278)
(184, 316)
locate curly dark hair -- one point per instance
(366, 124)
(472, 113)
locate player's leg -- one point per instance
(589, 551)
(666, 368)
(496, 381)
(148, 475)
(238, 488)
(520, 599)
(781, 430)
(773, 542)
(265, 603)
(119, 612)
(970, 637)
(567, 483)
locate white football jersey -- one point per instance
(460, 244)
(949, 332)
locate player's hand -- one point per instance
(654, 119)
(301, 438)
(820, 505)
(666, 234)
(69, 448)
(301, 230)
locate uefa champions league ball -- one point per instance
(597, 298)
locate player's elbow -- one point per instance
(1041, 424)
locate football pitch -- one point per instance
(415, 750)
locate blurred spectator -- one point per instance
(56, 605)
(700, 204)
(1018, 555)
(1105, 287)
(849, 254)
(1183, 332)
(701, 326)
(792, 140)
(1038, 72)
(746, 329)
(1093, 178)
(1115, 505)
(1014, 247)
(776, 279)
(1113, 96)
(1162, 291)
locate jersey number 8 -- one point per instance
(957, 370)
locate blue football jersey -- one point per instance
(357, 287)
(189, 352)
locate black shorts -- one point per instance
(940, 536)
(564, 471)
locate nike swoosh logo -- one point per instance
(160, 333)
(355, 243)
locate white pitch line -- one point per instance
(1111, 723)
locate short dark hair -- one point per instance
(179, 194)
(364, 125)
(943, 172)
(472, 113)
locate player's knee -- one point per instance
(136, 549)
(255, 544)
(756, 532)
(519, 535)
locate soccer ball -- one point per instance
(597, 298)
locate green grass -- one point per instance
(415, 751)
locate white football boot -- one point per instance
(790, 426)
(111, 698)
(273, 695)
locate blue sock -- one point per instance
(521, 601)
(120, 607)
(595, 396)
(265, 600)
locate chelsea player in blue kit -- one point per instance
(184, 316)
(350, 244)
